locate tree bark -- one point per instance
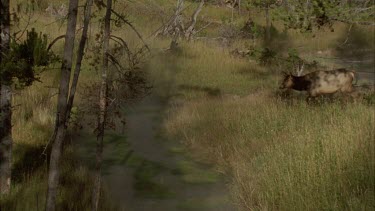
(80, 53)
(102, 109)
(190, 30)
(5, 105)
(61, 123)
(5, 139)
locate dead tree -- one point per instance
(65, 103)
(62, 106)
(102, 108)
(80, 53)
(176, 28)
(66, 98)
(119, 85)
(190, 31)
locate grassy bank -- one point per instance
(282, 154)
(33, 117)
(285, 157)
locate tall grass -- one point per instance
(281, 154)
(33, 119)
(285, 157)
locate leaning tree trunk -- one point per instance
(102, 109)
(61, 123)
(80, 52)
(5, 105)
(191, 29)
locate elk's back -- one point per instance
(325, 82)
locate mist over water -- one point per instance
(357, 51)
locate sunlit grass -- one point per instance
(201, 70)
(285, 156)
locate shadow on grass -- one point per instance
(291, 97)
(213, 92)
(29, 159)
(145, 185)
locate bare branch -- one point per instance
(190, 31)
(127, 22)
(202, 28)
(54, 41)
(164, 28)
(116, 62)
(124, 45)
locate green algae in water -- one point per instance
(194, 174)
(144, 183)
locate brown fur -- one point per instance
(321, 82)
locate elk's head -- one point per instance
(287, 81)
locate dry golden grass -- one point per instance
(285, 157)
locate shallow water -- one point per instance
(144, 171)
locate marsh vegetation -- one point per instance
(210, 128)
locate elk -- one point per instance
(321, 82)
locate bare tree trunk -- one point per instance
(102, 109)
(190, 30)
(61, 123)
(5, 105)
(5, 139)
(80, 52)
(178, 25)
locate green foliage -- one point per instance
(262, 3)
(23, 58)
(252, 30)
(316, 14)
(370, 98)
(267, 56)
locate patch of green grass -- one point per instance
(29, 195)
(194, 174)
(370, 98)
(199, 204)
(177, 150)
(201, 71)
(145, 185)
